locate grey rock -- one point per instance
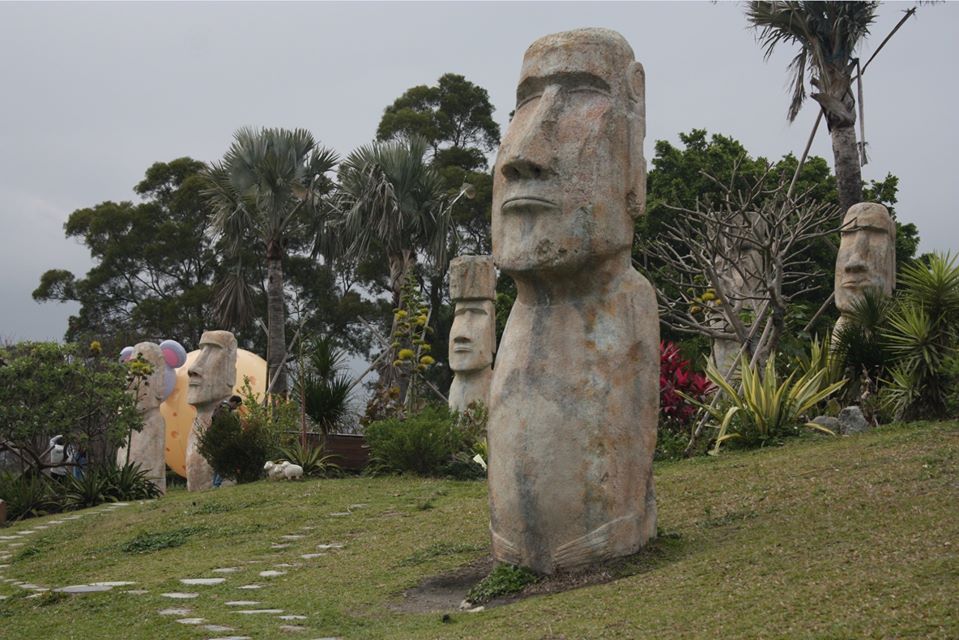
(851, 421)
(829, 422)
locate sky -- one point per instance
(92, 94)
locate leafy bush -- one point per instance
(677, 382)
(767, 409)
(49, 389)
(425, 443)
(312, 458)
(503, 580)
(236, 451)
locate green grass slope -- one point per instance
(822, 538)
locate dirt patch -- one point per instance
(445, 592)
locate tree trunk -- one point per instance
(848, 172)
(276, 321)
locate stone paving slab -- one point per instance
(176, 595)
(202, 581)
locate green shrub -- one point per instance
(503, 580)
(236, 451)
(424, 443)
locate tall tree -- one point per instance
(268, 184)
(155, 263)
(828, 35)
(393, 203)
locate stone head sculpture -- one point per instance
(146, 447)
(867, 254)
(165, 358)
(575, 391)
(473, 334)
(213, 374)
(570, 175)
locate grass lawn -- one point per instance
(822, 538)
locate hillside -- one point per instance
(821, 538)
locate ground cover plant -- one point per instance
(821, 537)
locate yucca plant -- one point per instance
(766, 409)
(94, 487)
(313, 458)
(922, 334)
(28, 496)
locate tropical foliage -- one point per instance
(268, 189)
(763, 409)
(828, 35)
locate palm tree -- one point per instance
(262, 189)
(828, 34)
(393, 201)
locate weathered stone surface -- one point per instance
(575, 390)
(852, 421)
(473, 334)
(867, 256)
(147, 446)
(212, 377)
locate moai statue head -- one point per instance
(213, 374)
(570, 175)
(473, 334)
(165, 358)
(867, 254)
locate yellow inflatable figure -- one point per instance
(179, 414)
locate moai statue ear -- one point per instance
(126, 353)
(636, 85)
(174, 356)
(173, 353)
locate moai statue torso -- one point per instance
(575, 392)
(473, 334)
(212, 377)
(866, 258)
(147, 446)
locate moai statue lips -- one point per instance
(575, 391)
(212, 378)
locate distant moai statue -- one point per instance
(575, 392)
(147, 446)
(866, 258)
(473, 334)
(211, 380)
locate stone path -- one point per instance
(185, 615)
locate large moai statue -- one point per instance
(147, 446)
(211, 377)
(575, 391)
(473, 334)
(866, 258)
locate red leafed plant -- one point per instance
(675, 375)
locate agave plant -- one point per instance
(766, 409)
(313, 458)
(922, 334)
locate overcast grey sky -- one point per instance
(92, 94)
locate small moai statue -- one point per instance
(866, 258)
(574, 399)
(473, 334)
(211, 380)
(147, 446)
